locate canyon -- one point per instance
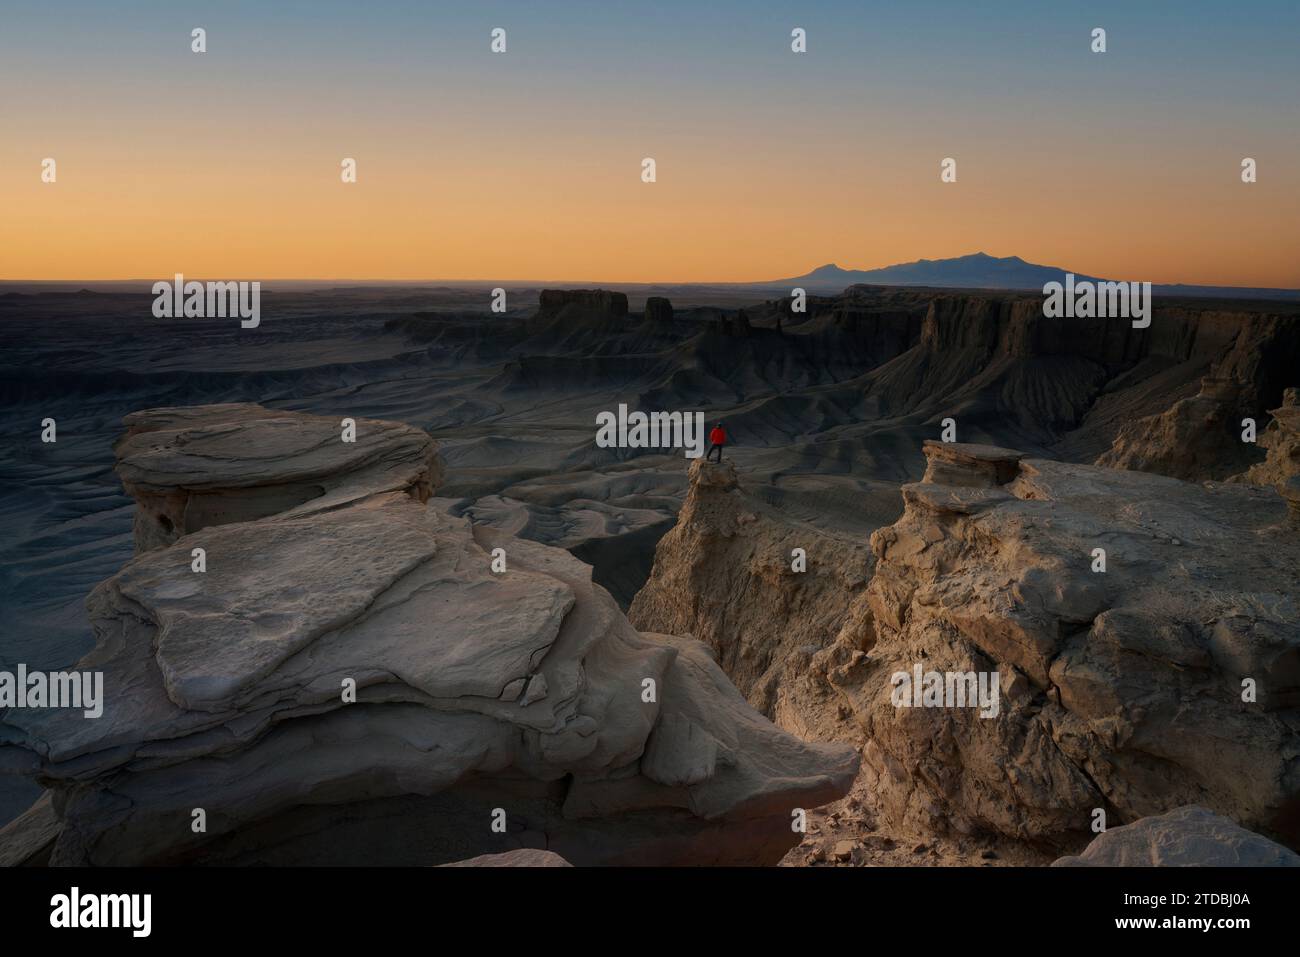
(1123, 690)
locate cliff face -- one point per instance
(1162, 673)
(1071, 386)
(574, 316)
(1120, 689)
(557, 303)
(728, 575)
(1199, 436)
(658, 310)
(1281, 444)
(348, 679)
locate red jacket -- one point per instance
(717, 437)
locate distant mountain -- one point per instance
(982, 271)
(976, 271)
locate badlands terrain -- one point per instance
(1119, 690)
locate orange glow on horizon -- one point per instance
(461, 202)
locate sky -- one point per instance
(527, 164)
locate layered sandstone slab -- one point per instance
(196, 466)
(1185, 837)
(349, 678)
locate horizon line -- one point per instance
(597, 283)
(714, 283)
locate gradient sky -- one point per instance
(527, 165)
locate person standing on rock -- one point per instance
(717, 439)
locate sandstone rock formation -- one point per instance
(658, 310)
(1195, 438)
(1120, 689)
(563, 314)
(1060, 387)
(1184, 837)
(727, 574)
(1199, 436)
(188, 468)
(350, 681)
(1281, 443)
(737, 326)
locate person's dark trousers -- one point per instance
(710, 454)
